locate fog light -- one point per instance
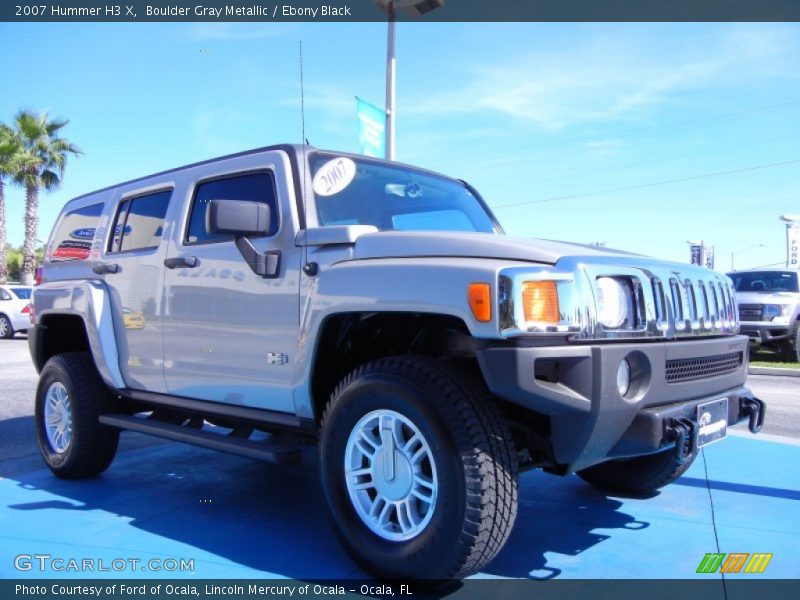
(623, 377)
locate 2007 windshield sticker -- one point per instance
(334, 176)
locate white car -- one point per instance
(15, 308)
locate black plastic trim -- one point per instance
(205, 439)
(206, 407)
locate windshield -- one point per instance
(765, 281)
(23, 293)
(364, 192)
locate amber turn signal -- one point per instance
(540, 301)
(480, 301)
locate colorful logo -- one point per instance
(735, 562)
(87, 233)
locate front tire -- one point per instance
(70, 398)
(790, 349)
(446, 505)
(640, 476)
(6, 329)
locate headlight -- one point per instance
(614, 301)
(772, 311)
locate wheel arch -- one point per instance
(348, 340)
(73, 317)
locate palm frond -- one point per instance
(42, 154)
(49, 180)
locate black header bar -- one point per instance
(332, 11)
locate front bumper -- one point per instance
(764, 333)
(575, 386)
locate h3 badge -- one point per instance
(277, 358)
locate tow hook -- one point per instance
(684, 432)
(755, 409)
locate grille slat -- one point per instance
(751, 312)
(688, 369)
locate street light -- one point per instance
(735, 252)
(412, 7)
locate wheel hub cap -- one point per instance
(398, 487)
(58, 417)
(391, 475)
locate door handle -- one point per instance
(181, 262)
(101, 268)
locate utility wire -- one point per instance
(657, 161)
(679, 127)
(648, 185)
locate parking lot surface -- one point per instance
(235, 518)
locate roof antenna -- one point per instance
(306, 268)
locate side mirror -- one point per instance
(237, 217)
(241, 219)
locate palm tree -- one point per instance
(40, 165)
(9, 152)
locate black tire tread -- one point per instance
(486, 449)
(96, 444)
(643, 475)
(10, 332)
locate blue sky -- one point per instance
(569, 130)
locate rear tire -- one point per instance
(70, 398)
(467, 459)
(643, 475)
(6, 329)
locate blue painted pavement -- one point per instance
(241, 519)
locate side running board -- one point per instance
(206, 439)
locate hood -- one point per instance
(767, 297)
(400, 244)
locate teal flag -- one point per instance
(371, 129)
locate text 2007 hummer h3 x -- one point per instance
(255, 301)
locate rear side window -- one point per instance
(140, 222)
(22, 293)
(73, 238)
(255, 187)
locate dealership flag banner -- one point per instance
(792, 245)
(708, 257)
(696, 254)
(371, 129)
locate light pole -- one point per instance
(412, 7)
(735, 252)
(391, 65)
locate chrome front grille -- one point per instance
(688, 369)
(671, 300)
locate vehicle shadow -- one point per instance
(557, 515)
(248, 519)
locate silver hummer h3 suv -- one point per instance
(288, 294)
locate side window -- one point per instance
(73, 238)
(4, 295)
(255, 187)
(140, 222)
